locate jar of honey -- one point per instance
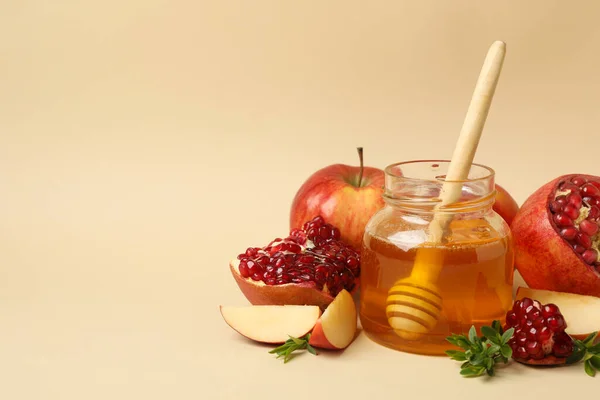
(415, 292)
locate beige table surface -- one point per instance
(144, 143)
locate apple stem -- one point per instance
(360, 157)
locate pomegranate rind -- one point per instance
(258, 293)
(543, 258)
(548, 361)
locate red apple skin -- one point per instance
(332, 193)
(542, 257)
(505, 205)
(318, 339)
(289, 294)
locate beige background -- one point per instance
(145, 143)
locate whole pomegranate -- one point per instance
(557, 236)
(310, 266)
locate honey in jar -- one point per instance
(468, 280)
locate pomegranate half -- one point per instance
(308, 267)
(557, 236)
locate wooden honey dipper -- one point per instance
(414, 304)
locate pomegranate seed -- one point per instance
(588, 227)
(584, 240)
(244, 271)
(590, 190)
(533, 347)
(578, 180)
(570, 187)
(336, 234)
(596, 183)
(594, 212)
(569, 233)
(562, 220)
(532, 333)
(256, 277)
(544, 334)
(571, 211)
(575, 200)
(555, 206)
(561, 200)
(590, 256)
(511, 318)
(521, 352)
(539, 323)
(549, 310)
(579, 249)
(556, 323)
(521, 338)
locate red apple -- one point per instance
(297, 326)
(346, 196)
(505, 205)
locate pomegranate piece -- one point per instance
(539, 336)
(309, 266)
(557, 236)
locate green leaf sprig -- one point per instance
(480, 355)
(291, 345)
(588, 352)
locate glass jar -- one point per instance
(418, 287)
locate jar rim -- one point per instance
(389, 171)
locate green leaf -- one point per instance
(473, 335)
(595, 361)
(473, 371)
(490, 333)
(490, 371)
(589, 369)
(594, 349)
(497, 326)
(507, 335)
(506, 351)
(478, 359)
(493, 349)
(459, 341)
(590, 339)
(575, 357)
(456, 355)
(297, 340)
(291, 345)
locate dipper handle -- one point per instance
(414, 303)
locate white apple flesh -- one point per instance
(337, 326)
(581, 313)
(271, 324)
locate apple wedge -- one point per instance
(336, 328)
(271, 324)
(581, 313)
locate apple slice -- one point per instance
(337, 326)
(271, 324)
(581, 313)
